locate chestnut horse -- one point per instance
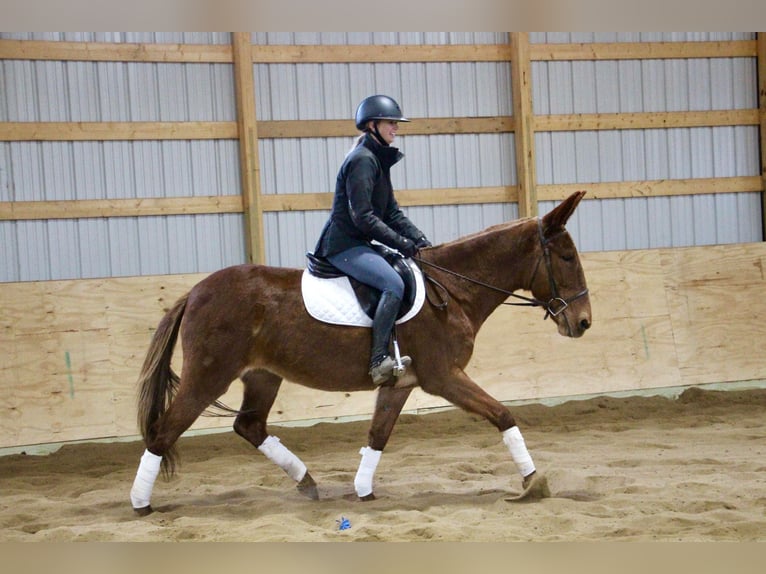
(249, 322)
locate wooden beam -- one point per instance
(646, 120)
(762, 120)
(113, 52)
(418, 126)
(643, 50)
(524, 123)
(545, 192)
(407, 198)
(90, 208)
(244, 87)
(127, 131)
(288, 54)
(653, 188)
(136, 207)
(115, 131)
(376, 54)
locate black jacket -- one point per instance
(364, 207)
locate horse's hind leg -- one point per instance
(188, 404)
(388, 405)
(261, 388)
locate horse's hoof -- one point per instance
(535, 488)
(307, 487)
(367, 497)
(145, 511)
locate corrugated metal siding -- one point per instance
(635, 155)
(116, 91)
(63, 249)
(124, 37)
(332, 91)
(112, 91)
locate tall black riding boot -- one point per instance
(381, 363)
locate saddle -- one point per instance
(369, 297)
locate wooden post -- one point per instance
(247, 127)
(524, 123)
(761, 57)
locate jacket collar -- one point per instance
(387, 155)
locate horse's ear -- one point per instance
(556, 219)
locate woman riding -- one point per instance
(364, 209)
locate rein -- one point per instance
(553, 307)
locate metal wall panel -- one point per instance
(125, 37)
(332, 91)
(106, 170)
(636, 155)
(116, 91)
(120, 246)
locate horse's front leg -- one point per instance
(388, 406)
(461, 391)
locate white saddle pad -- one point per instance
(334, 301)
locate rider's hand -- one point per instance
(408, 248)
(423, 242)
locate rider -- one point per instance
(364, 209)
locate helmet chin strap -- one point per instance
(376, 133)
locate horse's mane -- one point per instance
(505, 226)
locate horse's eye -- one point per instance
(568, 258)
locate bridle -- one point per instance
(553, 307)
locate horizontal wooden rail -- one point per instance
(271, 54)
(405, 197)
(652, 188)
(545, 192)
(646, 120)
(377, 54)
(90, 208)
(418, 126)
(643, 50)
(114, 52)
(116, 131)
(135, 207)
(353, 53)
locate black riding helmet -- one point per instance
(378, 107)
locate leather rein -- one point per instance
(553, 307)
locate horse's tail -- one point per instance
(157, 383)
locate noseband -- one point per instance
(553, 307)
(556, 304)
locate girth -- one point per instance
(369, 297)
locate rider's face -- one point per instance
(388, 129)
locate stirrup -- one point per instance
(388, 369)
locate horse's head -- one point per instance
(558, 280)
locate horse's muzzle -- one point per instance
(573, 325)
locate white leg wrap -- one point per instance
(519, 453)
(279, 454)
(363, 479)
(148, 469)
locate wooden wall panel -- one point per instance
(662, 318)
(630, 345)
(716, 303)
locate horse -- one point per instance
(248, 322)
